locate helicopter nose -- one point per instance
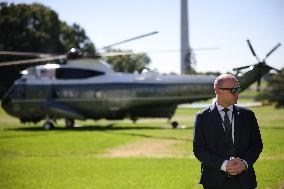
(6, 101)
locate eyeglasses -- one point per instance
(233, 90)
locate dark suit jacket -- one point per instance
(210, 149)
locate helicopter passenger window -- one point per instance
(46, 73)
(75, 73)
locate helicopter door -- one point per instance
(112, 97)
(116, 98)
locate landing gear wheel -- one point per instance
(174, 124)
(69, 123)
(48, 125)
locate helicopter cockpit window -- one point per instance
(18, 92)
(75, 73)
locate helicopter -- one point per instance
(90, 89)
(12, 62)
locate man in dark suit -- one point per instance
(227, 140)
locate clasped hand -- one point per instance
(235, 166)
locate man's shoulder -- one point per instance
(241, 109)
(204, 111)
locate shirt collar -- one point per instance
(220, 108)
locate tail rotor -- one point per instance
(260, 64)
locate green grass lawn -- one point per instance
(33, 158)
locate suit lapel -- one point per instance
(237, 125)
(216, 121)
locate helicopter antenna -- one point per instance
(127, 40)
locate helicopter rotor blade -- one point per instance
(24, 54)
(125, 53)
(251, 49)
(273, 68)
(240, 68)
(258, 84)
(259, 76)
(272, 50)
(34, 60)
(127, 40)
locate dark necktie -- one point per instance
(228, 134)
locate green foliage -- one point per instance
(36, 28)
(128, 63)
(274, 91)
(75, 37)
(191, 61)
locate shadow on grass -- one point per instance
(153, 137)
(109, 127)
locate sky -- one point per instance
(223, 25)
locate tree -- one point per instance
(128, 63)
(75, 37)
(192, 61)
(274, 92)
(36, 28)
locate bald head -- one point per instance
(219, 81)
(223, 89)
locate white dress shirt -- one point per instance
(230, 115)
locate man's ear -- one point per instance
(217, 91)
